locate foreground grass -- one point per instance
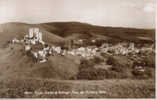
(111, 88)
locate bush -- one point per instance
(150, 60)
(116, 66)
(148, 73)
(97, 60)
(111, 61)
(92, 74)
(87, 70)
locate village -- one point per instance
(40, 51)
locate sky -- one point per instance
(116, 13)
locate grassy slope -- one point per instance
(14, 62)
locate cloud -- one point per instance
(149, 8)
(127, 4)
(132, 3)
(128, 13)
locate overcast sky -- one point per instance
(119, 13)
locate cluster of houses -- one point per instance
(34, 39)
(85, 52)
(125, 49)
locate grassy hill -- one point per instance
(59, 31)
(66, 29)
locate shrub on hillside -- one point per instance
(97, 60)
(116, 66)
(87, 70)
(91, 74)
(150, 60)
(147, 73)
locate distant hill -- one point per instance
(66, 29)
(60, 31)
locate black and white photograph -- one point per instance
(101, 49)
